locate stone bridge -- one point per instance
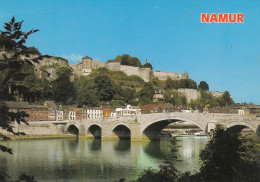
(149, 126)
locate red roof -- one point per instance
(148, 107)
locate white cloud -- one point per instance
(73, 58)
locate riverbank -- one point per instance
(24, 137)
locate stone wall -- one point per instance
(97, 64)
(113, 66)
(217, 94)
(36, 129)
(129, 70)
(163, 75)
(195, 94)
(87, 64)
(144, 73)
(190, 93)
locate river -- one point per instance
(89, 160)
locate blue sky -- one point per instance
(168, 33)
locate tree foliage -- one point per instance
(86, 92)
(227, 99)
(203, 85)
(182, 83)
(14, 79)
(126, 59)
(187, 83)
(148, 65)
(175, 98)
(63, 89)
(13, 76)
(34, 86)
(228, 157)
(105, 88)
(146, 95)
(211, 101)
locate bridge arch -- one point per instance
(239, 126)
(121, 131)
(94, 131)
(73, 129)
(153, 129)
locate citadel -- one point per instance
(88, 64)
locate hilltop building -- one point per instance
(88, 64)
(48, 65)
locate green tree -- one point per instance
(63, 89)
(104, 87)
(146, 95)
(128, 94)
(228, 158)
(148, 65)
(171, 84)
(33, 85)
(175, 98)
(33, 50)
(187, 83)
(191, 84)
(86, 93)
(203, 85)
(11, 78)
(227, 98)
(46, 91)
(126, 59)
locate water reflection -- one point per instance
(153, 149)
(82, 160)
(122, 145)
(73, 144)
(95, 144)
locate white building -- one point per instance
(94, 113)
(128, 111)
(241, 111)
(72, 115)
(113, 114)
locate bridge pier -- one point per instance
(136, 131)
(106, 131)
(211, 126)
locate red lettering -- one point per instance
(222, 18)
(204, 17)
(213, 17)
(230, 18)
(240, 17)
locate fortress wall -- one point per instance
(130, 70)
(217, 94)
(144, 73)
(97, 64)
(164, 75)
(113, 66)
(87, 64)
(190, 93)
